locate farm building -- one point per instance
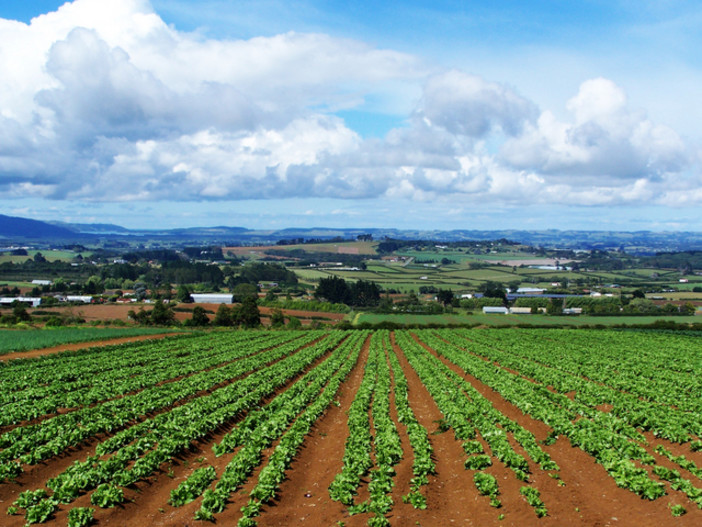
(41, 282)
(86, 299)
(495, 310)
(212, 298)
(520, 311)
(34, 301)
(530, 291)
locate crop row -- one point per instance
(423, 464)
(151, 402)
(493, 425)
(171, 433)
(13, 341)
(610, 440)
(540, 362)
(263, 427)
(468, 413)
(34, 443)
(151, 365)
(627, 362)
(386, 440)
(359, 443)
(273, 474)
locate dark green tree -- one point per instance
(183, 294)
(555, 306)
(688, 308)
(412, 299)
(200, 317)
(19, 311)
(162, 315)
(243, 291)
(166, 291)
(364, 293)
(140, 317)
(224, 316)
(445, 296)
(277, 318)
(248, 315)
(513, 285)
(93, 286)
(333, 289)
(494, 290)
(385, 304)
(140, 291)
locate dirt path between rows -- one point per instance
(151, 507)
(146, 502)
(452, 497)
(303, 496)
(82, 345)
(590, 496)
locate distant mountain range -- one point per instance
(18, 230)
(12, 228)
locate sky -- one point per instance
(269, 114)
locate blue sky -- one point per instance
(414, 114)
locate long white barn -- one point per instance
(212, 298)
(34, 301)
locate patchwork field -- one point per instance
(409, 269)
(259, 251)
(422, 427)
(51, 256)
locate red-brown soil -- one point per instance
(102, 312)
(99, 312)
(308, 316)
(589, 497)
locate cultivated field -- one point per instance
(461, 276)
(476, 318)
(259, 251)
(104, 312)
(422, 427)
(13, 341)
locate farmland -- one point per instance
(474, 319)
(467, 272)
(24, 340)
(51, 256)
(421, 427)
(364, 248)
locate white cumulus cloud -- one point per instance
(102, 100)
(605, 142)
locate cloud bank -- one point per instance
(103, 101)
